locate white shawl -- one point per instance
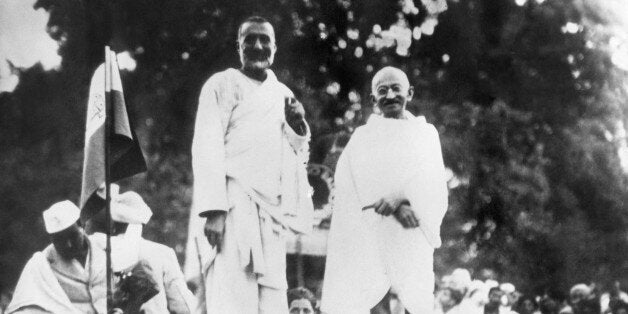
(368, 254)
(241, 134)
(38, 286)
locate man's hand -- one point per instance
(406, 217)
(295, 114)
(386, 206)
(215, 228)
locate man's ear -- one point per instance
(410, 92)
(373, 99)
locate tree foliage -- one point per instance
(530, 113)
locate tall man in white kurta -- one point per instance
(249, 155)
(391, 196)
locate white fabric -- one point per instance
(238, 134)
(128, 207)
(38, 287)
(173, 296)
(245, 278)
(368, 254)
(605, 299)
(85, 285)
(60, 216)
(241, 135)
(125, 248)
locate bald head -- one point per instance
(391, 91)
(388, 75)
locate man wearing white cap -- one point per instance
(129, 212)
(65, 277)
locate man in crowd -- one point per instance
(66, 277)
(583, 300)
(301, 301)
(249, 153)
(391, 196)
(130, 251)
(495, 295)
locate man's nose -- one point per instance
(390, 93)
(258, 44)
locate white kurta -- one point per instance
(368, 254)
(249, 162)
(174, 295)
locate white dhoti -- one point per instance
(249, 274)
(369, 254)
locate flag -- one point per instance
(125, 157)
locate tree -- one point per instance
(526, 96)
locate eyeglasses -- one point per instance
(383, 90)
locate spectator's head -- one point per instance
(460, 279)
(301, 301)
(549, 306)
(526, 305)
(495, 296)
(68, 238)
(579, 293)
(448, 297)
(510, 294)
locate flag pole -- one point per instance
(108, 126)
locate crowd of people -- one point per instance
(458, 293)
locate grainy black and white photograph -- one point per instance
(314, 156)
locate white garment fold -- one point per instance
(248, 161)
(38, 287)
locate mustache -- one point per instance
(390, 101)
(257, 54)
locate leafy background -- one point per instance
(529, 98)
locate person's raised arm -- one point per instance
(297, 130)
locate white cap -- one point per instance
(507, 287)
(490, 283)
(128, 207)
(60, 216)
(461, 278)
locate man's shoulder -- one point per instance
(221, 76)
(49, 253)
(37, 260)
(154, 247)
(158, 255)
(285, 89)
(428, 129)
